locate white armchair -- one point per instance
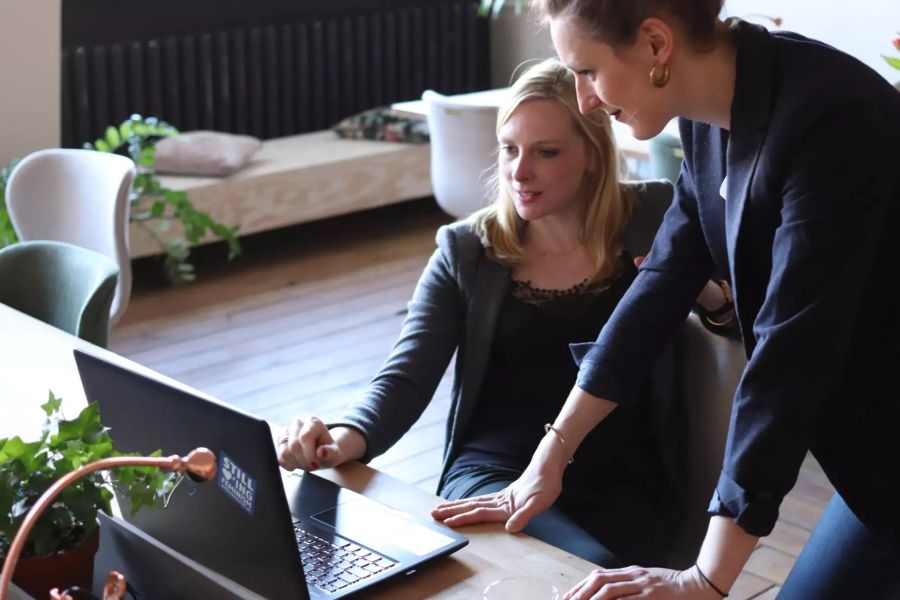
(79, 197)
(463, 153)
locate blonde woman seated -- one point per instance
(509, 289)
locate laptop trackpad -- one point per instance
(362, 520)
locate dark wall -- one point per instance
(268, 68)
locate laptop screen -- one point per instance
(239, 524)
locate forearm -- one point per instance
(578, 416)
(725, 551)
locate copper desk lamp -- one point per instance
(199, 465)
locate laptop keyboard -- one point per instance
(332, 565)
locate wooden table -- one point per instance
(629, 145)
(36, 357)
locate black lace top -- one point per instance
(530, 374)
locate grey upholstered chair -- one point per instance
(712, 368)
(67, 286)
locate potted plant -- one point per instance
(59, 552)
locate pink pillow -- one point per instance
(204, 153)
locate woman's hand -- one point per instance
(526, 497)
(638, 582)
(307, 444)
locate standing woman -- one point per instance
(790, 187)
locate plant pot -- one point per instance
(39, 574)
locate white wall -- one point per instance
(515, 38)
(863, 28)
(29, 76)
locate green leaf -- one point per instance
(157, 209)
(102, 146)
(894, 62)
(112, 137)
(52, 404)
(126, 130)
(148, 156)
(27, 469)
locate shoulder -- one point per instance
(459, 238)
(814, 81)
(460, 247)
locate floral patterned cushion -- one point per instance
(384, 124)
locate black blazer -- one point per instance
(806, 236)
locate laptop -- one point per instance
(279, 535)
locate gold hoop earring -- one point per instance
(659, 80)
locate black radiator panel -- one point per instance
(267, 68)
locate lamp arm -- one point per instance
(200, 464)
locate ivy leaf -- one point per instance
(894, 62)
(52, 404)
(126, 130)
(112, 137)
(157, 209)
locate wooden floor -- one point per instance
(303, 320)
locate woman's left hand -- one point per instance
(640, 582)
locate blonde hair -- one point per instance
(606, 210)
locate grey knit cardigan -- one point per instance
(455, 308)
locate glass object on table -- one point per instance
(521, 588)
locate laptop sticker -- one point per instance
(237, 483)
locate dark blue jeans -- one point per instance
(610, 531)
(843, 560)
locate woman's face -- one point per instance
(543, 160)
(615, 81)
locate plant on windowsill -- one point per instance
(67, 530)
(891, 60)
(894, 61)
(155, 207)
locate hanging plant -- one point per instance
(155, 207)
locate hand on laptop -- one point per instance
(309, 445)
(525, 498)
